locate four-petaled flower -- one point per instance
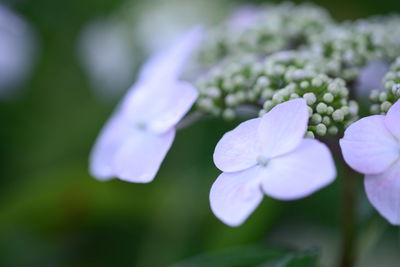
(372, 146)
(268, 155)
(137, 137)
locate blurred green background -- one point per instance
(52, 213)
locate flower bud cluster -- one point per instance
(330, 109)
(277, 27)
(281, 77)
(246, 80)
(383, 100)
(347, 47)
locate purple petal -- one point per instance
(383, 191)
(300, 173)
(140, 157)
(238, 149)
(368, 147)
(159, 105)
(392, 120)
(171, 62)
(169, 108)
(234, 196)
(112, 137)
(282, 129)
(371, 77)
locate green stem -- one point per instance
(348, 202)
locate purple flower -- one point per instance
(372, 146)
(268, 155)
(371, 77)
(137, 137)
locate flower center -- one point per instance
(141, 125)
(262, 160)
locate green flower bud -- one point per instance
(374, 95)
(267, 94)
(277, 98)
(213, 92)
(228, 114)
(310, 98)
(382, 96)
(353, 108)
(385, 106)
(345, 110)
(262, 113)
(310, 134)
(316, 118)
(310, 111)
(230, 100)
(375, 109)
(328, 97)
(330, 110)
(322, 108)
(304, 84)
(321, 129)
(268, 105)
(317, 82)
(326, 120)
(333, 130)
(338, 115)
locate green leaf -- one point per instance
(253, 256)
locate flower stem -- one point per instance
(348, 202)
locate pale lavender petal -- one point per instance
(392, 120)
(368, 147)
(113, 135)
(140, 157)
(169, 110)
(383, 191)
(283, 128)
(159, 105)
(234, 196)
(299, 173)
(171, 62)
(238, 149)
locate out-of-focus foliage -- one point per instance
(52, 213)
(253, 256)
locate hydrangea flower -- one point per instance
(136, 139)
(372, 146)
(17, 52)
(268, 155)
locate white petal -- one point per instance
(172, 106)
(392, 120)
(383, 190)
(300, 173)
(238, 149)
(159, 104)
(113, 135)
(368, 147)
(171, 62)
(140, 157)
(283, 128)
(234, 196)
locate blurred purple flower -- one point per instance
(136, 139)
(245, 17)
(17, 51)
(372, 146)
(268, 155)
(371, 77)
